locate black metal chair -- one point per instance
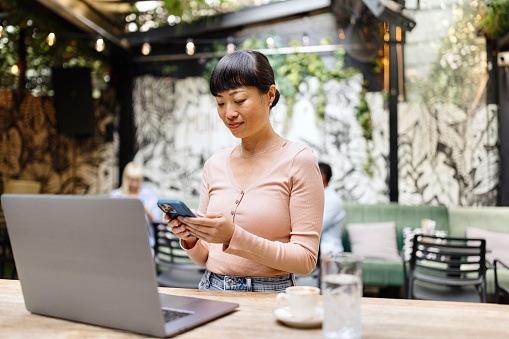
(501, 291)
(447, 268)
(7, 266)
(174, 268)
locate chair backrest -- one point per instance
(501, 269)
(167, 251)
(7, 266)
(448, 261)
(174, 268)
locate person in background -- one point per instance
(261, 203)
(333, 214)
(132, 187)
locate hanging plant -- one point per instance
(299, 66)
(363, 116)
(24, 44)
(494, 22)
(190, 10)
(291, 70)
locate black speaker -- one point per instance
(74, 106)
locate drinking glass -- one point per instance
(341, 275)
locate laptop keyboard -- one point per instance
(170, 314)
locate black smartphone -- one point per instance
(175, 208)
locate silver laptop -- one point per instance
(88, 259)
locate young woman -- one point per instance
(261, 203)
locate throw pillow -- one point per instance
(497, 244)
(374, 240)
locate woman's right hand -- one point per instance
(181, 231)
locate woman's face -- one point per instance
(134, 184)
(244, 110)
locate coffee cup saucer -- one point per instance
(283, 315)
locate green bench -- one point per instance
(455, 221)
(383, 272)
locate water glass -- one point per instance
(341, 275)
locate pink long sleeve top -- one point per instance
(278, 220)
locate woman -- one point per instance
(261, 202)
(132, 187)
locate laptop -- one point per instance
(88, 259)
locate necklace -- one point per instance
(254, 155)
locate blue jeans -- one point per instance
(213, 281)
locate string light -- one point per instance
(51, 39)
(230, 48)
(100, 45)
(305, 39)
(341, 34)
(14, 69)
(270, 42)
(190, 48)
(146, 48)
(1, 30)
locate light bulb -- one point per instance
(230, 48)
(190, 47)
(14, 69)
(305, 39)
(51, 39)
(100, 45)
(270, 42)
(146, 48)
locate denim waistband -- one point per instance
(278, 283)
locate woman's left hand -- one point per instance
(213, 227)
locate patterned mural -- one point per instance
(446, 156)
(448, 137)
(31, 148)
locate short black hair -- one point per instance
(243, 68)
(326, 170)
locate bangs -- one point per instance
(233, 71)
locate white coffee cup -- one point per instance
(301, 301)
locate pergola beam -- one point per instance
(85, 18)
(247, 16)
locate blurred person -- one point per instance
(333, 214)
(132, 187)
(261, 204)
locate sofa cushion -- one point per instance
(374, 240)
(497, 244)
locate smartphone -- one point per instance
(175, 208)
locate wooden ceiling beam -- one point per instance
(85, 18)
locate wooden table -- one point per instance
(381, 318)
